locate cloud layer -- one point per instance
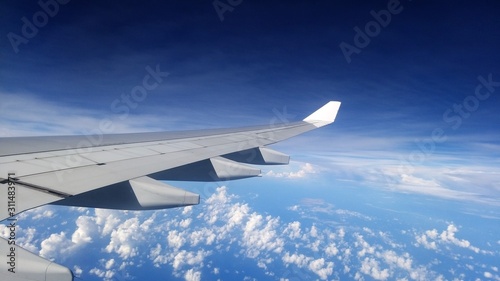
(190, 243)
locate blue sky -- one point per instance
(420, 100)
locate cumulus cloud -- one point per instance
(402, 261)
(427, 239)
(303, 171)
(175, 239)
(186, 241)
(106, 220)
(179, 259)
(293, 230)
(300, 260)
(44, 214)
(260, 234)
(331, 250)
(186, 222)
(321, 268)
(124, 239)
(77, 271)
(430, 239)
(237, 213)
(383, 264)
(56, 245)
(366, 248)
(24, 237)
(192, 275)
(109, 264)
(86, 228)
(204, 235)
(104, 274)
(448, 236)
(371, 267)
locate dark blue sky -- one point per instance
(88, 53)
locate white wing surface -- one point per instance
(123, 171)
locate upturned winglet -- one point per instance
(325, 115)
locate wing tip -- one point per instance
(324, 115)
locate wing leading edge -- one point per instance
(122, 171)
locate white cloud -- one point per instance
(109, 264)
(86, 227)
(331, 250)
(431, 238)
(180, 241)
(321, 268)
(106, 220)
(105, 274)
(260, 234)
(308, 206)
(46, 214)
(24, 237)
(448, 236)
(220, 197)
(366, 248)
(422, 240)
(386, 168)
(314, 231)
(204, 235)
(192, 275)
(27, 240)
(77, 271)
(371, 267)
(175, 239)
(314, 245)
(303, 171)
(57, 245)
(293, 230)
(403, 262)
(42, 117)
(382, 264)
(186, 222)
(299, 260)
(124, 239)
(181, 258)
(156, 257)
(236, 214)
(187, 210)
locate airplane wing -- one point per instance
(123, 171)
